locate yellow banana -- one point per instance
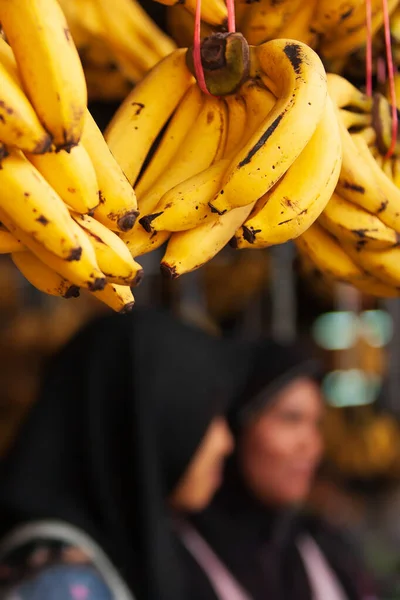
(49, 65)
(8, 243)
(117, 297)
(180, 24)
(352, 119)
(137, 123)
(112, 255)
(300, 25)
(118, 207)
(266, 18)
(72, 176)
(213, 12)
(382, 264)
(345, 95)
(19, 124)
(288, 128)
(189, 250)
(356, 38)
(126, 21)
(36, 208)
(325, 252)
(287, 210)
(43, 277)
(360, 183)
(389, 209)
(352, 223)
(181, 121)
(237, 116)
(186, 205)
(82, 273)
(331, 16)
(202, 146)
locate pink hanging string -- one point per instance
(198, 66)
(368, 58)
(390, 68)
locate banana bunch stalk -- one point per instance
(356, 237)
(63, 197)
(256, 162)
(118, 43)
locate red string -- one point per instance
(231, 15)
(390, 66)
(198, 66)
(368, 59)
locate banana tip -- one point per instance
(97, 285)
(137, 280)
(72, 292)
(168, 271)
(127, 221)
(127, 308)
(146, 221)
(234, 243)
(248, 234)
(216, 210)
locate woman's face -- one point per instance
(280, 450)
(204, 474)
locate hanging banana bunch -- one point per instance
(63, 196)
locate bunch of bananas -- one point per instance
(334, 29)
(258, 161)
(118, 43)
(356, 237)
(62, 194)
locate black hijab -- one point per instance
(122, 411)
(256, 542)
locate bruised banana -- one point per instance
(43, 277)
(36, 208)
(139, 120)
(189, 250)
(118, 206)
(287, 210)
(19, 124)
(203, 145)
(113, 256)
(49, 66)
(72, 176)
(352, 223)
(300, 77)
(117, 297)
(82, 273)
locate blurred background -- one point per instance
(244, 295)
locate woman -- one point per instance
(126, 432)
(253, 542)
